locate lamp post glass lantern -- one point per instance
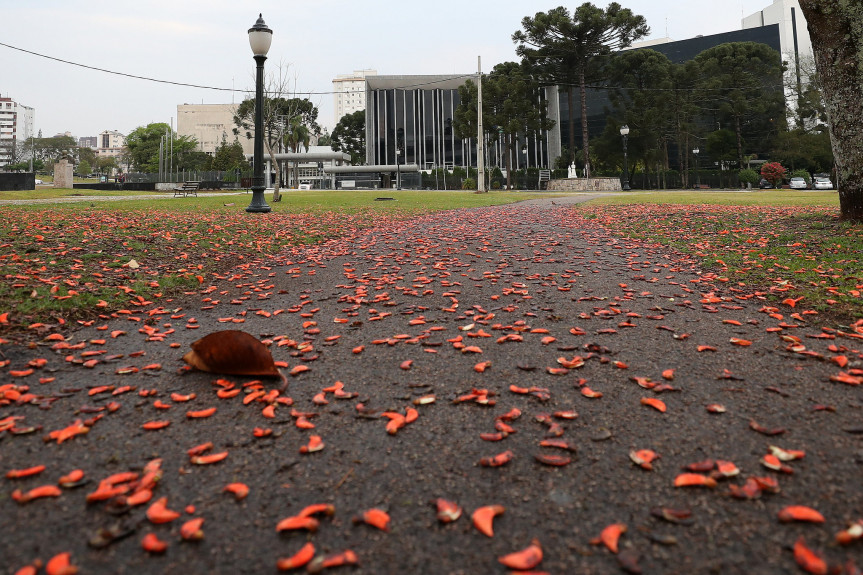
(624, 131)
(260, 38)
(697, 175)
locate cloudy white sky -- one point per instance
(205, 42)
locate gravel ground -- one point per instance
(398, 315)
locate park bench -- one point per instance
(187, 189)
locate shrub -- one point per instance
(748, 176)
(468, 184)
(802, 174)
(774, 173)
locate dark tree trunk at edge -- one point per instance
(836, 29)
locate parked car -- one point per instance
(798, 184)
(765, 185)
(39, 182)
(822, 184)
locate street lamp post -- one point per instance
(260, 38)
(398, 169)
(697, 176)
(624, 131)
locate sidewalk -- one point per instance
(468, 317)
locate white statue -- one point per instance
(572, 171)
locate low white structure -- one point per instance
(313, 168)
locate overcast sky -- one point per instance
(205, 42)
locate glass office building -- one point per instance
(414, 114)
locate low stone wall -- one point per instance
(585, 185)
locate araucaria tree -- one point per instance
(567, 50)
(349, 136)
(836, 28)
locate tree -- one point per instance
(55, 148)
(86, 154)
(105, 164)
(742, 83)
(512, 106)
(836, 29)
(84, 168)
(279, 113)
(567, 50)
(349, 136)
(144, 143)
(642, 81)
(230, 157)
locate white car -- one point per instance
(39, 182)
(822, 184)
(797, 184)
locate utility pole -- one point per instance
(480, 148)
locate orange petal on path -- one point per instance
(484, 517)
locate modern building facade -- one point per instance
(349, 93)
(415, 114)
(210, 124)
(16, 126)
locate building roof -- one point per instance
(424, 82)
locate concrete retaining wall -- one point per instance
(585, 185)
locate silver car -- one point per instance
(797, 184)
(822, 184)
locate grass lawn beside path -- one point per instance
(62, 262)
(787, 248)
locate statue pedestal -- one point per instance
(63, 174)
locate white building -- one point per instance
(209, 124)
(16, 126)
(110, 144)
(349, 93)
(793, 34)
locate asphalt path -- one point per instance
(463, 316)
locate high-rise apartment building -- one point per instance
(110, 144)
(16, 126)
(349, 93)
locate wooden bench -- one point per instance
(187, 189)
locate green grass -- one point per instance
(774, 245)
(71, 260)
(717, 198)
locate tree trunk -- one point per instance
(836, 29)
(277, 197)
(585, 135)
(739, 131)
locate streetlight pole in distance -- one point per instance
(624, 131)
(260, 38)
(398, 169)
(697, 175)
(480, 145)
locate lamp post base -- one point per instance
(258, 203)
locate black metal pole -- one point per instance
(697, 175)
(258, 203)
(625, 186)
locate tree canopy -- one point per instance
(567, 50)
(349, 136)
(143, 145)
